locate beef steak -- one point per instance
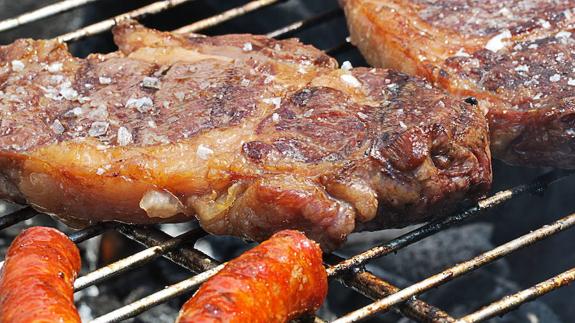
(249, 134)
(517, 57)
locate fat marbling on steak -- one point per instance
(516, 56)
(249, 134)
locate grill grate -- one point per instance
(350, 272)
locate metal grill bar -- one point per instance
(302, 24)
(460, 269)
(157, 298)
(511, 302)
(376, 288)
(90, 232)
(433, 227)
(135, 260)
(226, 15)
(23, 214)
(189, 258)
(50, 10)
(182, 256)
(107, 24)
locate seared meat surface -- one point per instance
(516, 56)
(249, 134)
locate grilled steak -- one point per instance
(516, 56)
(249, 134)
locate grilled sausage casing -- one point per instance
(276, 281)
(37, 279)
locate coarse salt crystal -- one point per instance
(346, 66)
(522, 68)
(204, 152)
(245, 82)
(68, 93)
(57, 127)
(247, 47)
(506, 12)
(124, 136)
(402, 125)
(571, 82)
(72, 113)
(350, 80)
(17, 66)
(544, 23)
(151, 82)
(496, 43)
(275, 117)
(563, 34)
(55, 67)
(143, 105)
(275, 101)
(98, 128)
(555, 78)
(104, 80)
(269, 79)
(100, 171)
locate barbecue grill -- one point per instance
(351, 271)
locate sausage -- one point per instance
(277, 281)
(37, 279)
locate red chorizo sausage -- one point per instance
(276, 281)
(37, 279)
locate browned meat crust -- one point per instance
(249, 134)
(516, 56)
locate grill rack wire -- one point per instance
(350, 272)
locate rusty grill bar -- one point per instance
(350, 272)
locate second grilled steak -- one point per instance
(249, 134)
(516, 56)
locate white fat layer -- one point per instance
(160, 204)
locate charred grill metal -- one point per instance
(53, 9)
(460, 269)
(23, 214)
(513, 301)
(226, 15)
(349, 272)
(107, 24)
